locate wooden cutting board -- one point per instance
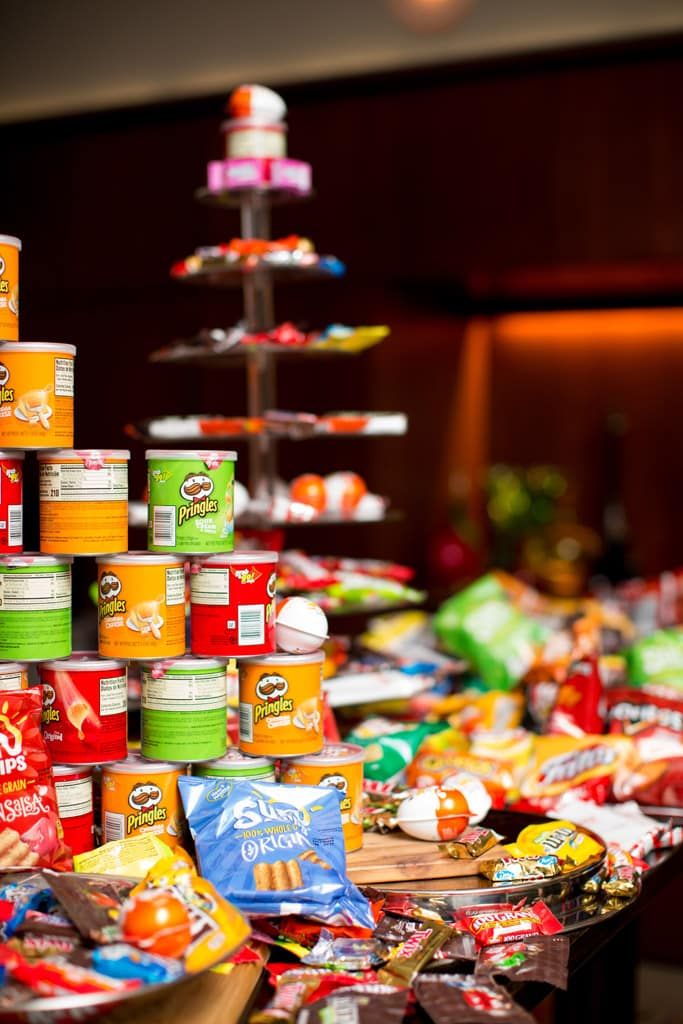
(396, 857)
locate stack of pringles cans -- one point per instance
(239, 640)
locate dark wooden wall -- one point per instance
(432, 186)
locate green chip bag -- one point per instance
(657, 659)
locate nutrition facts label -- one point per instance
(64, 378)
(35, 591)
(211, 586)
(74, 797)
(205, 692)
(113, 696)
(71, 481)
(175, 586)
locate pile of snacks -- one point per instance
(251, 254)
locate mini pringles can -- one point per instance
(183, 710)
(190, 501)
(36, 395)
(141, 797)
(339, 766)
(84, 501)
(35, 607)
(10, 247)
(280, 710)
(73, 787)
(13, 676)
(234, 765)
(85, 709)
(11, 501)
(141, 606)
(232, 604)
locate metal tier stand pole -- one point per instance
(259, 314)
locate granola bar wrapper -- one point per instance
(274, 850)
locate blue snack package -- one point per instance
(126, 962)
(274, 850)
(17, 898)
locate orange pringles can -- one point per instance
(141, 797)
(338, 766)
(83, 501)
(280, 705)
(10, 247)
(141, 606)
(36, 395)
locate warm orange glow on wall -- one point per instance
(618, 326)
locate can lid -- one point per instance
(84, 454)
(37, 346)
(315, 658)
(85, 661)
(234, 758)
(33, 558)
(59, 770)
(10, 240)
(135, 764)
(186, 664)
(237, 123)
(238, 558)
(139, 558)
(7, 454)
(202, 454)
(7, 667)
(331, 753)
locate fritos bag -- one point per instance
(585, 766)
(31, 833)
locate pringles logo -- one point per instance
(50, 713)
(270, 690)
(336, 781)
(6, 394)
(4, 283)
(144, 798)
(196, 489)
(110, 603)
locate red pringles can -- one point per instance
(85, 709)
(11, 501)
(73, 786)
(232, 604)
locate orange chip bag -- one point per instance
(585, 766)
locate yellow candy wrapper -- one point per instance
(562, 838)
(131, 858)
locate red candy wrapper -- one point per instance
(505, 923)
(578, 708)
(31, 833)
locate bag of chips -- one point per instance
(274, 850)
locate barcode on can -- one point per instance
(246, 723)
(163, 525)
(14, 526)
(250, 624)
(114, 826)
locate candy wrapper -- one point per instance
(519, 869)
(347, 954)
(17, 899)
(274, 852)
(132, 857)
(409, 957)
(362, 1004)
(31, 833)
(543, 958)
(473, 842)
(467, 999)
(585, 767)
(562, 839)
(56, 977)
(126, 962)
(494, 711)
(624, 824)
(504, 923)
(92, 904)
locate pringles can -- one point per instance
(35, 607)
(183, 710)
(190, 501)
(141, 606)
(11, 501)
(13, 676)
(10, 248)
(73, 787)
(141, 797)
(232, 604)
(280, 709)
(83, 502)
(234, 765)
(339, 766)
(36, 395)
(85, 709)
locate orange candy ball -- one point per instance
(157, 922)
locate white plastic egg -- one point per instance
(240, 499)
(435, 814)
(474, 791)
(300, 626)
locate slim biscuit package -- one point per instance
(272, 849)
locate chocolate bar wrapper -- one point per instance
(346, 953)
(393, 929)
(467, 999)
(543, 958)
(408, 959)
(518, 869)
(361, 1004)
(471, 843)
(92, 904)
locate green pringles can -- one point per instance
(190, 501)
(35, 607)
(184, 709)
(235, 765)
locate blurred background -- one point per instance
(502, 180)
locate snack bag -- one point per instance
(655, 723)
(578, 708)
(657, 659)
(31, 833)
(389, 746)
(274, 850)
(585, 766)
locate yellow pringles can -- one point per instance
(280, 705)
(141, 606)
(10, 247)
(84, 501)
(36, 395)
(338, 766)
(141, 798)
